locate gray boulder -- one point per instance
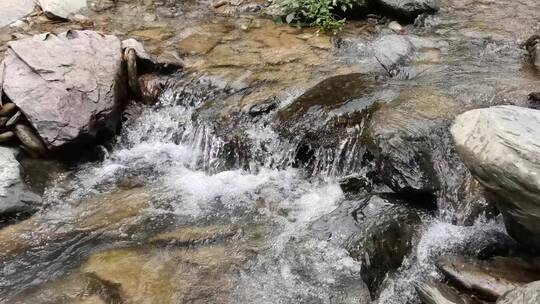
(14, 194)
(409, 8)
(527, 294)
(501, 147)
(69, 86)
(61, 8)
(11, 11)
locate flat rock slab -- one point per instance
(62, 8)
(14, 195)
(501, 148)
(13, 10)
(432, 292)
(68, 86)
(489, 278)
(527, 294)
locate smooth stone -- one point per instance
(70, 87)
(11, 11)
(489, 278)
(14, 119)
(14, 194)
(8, 109)
(132, 71)
(501, 147)
(29, 139)
(64, 9)
(527, 294)
(6, 136)
(432, 292)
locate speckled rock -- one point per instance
(501, 147)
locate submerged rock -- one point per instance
(490, 278)
(14, 194)
(501, 147)
(69, 87)
(385, 235)
(64, 9)
(175, 276)
(527, 294)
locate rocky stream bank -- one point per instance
(201, 152)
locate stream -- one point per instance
(198, 201)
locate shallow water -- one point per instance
(174, 167)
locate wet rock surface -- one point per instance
(433, 292)
(214, 145)
(491, 278)
(14, 194)
(499, 146)
(526, 294)
(73, 94)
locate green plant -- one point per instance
(317, 13)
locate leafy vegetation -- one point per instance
(317, 13)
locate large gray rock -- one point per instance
(14, 194)
(11, 11)
(69, 86)
(501, 147)
(409, 8)
(527, 294)
(61, 8)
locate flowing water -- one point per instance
(178, 212)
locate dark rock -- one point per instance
(533, 47)
(263, 107)
(409, 9)
(432, 292)
(527, 294)
(8, 109)
(352, 125)
(500, 145)
(69, 87)
(14, 194)
(534, 100)
(377, 231)
(490, 279)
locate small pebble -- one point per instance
(396, 27)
